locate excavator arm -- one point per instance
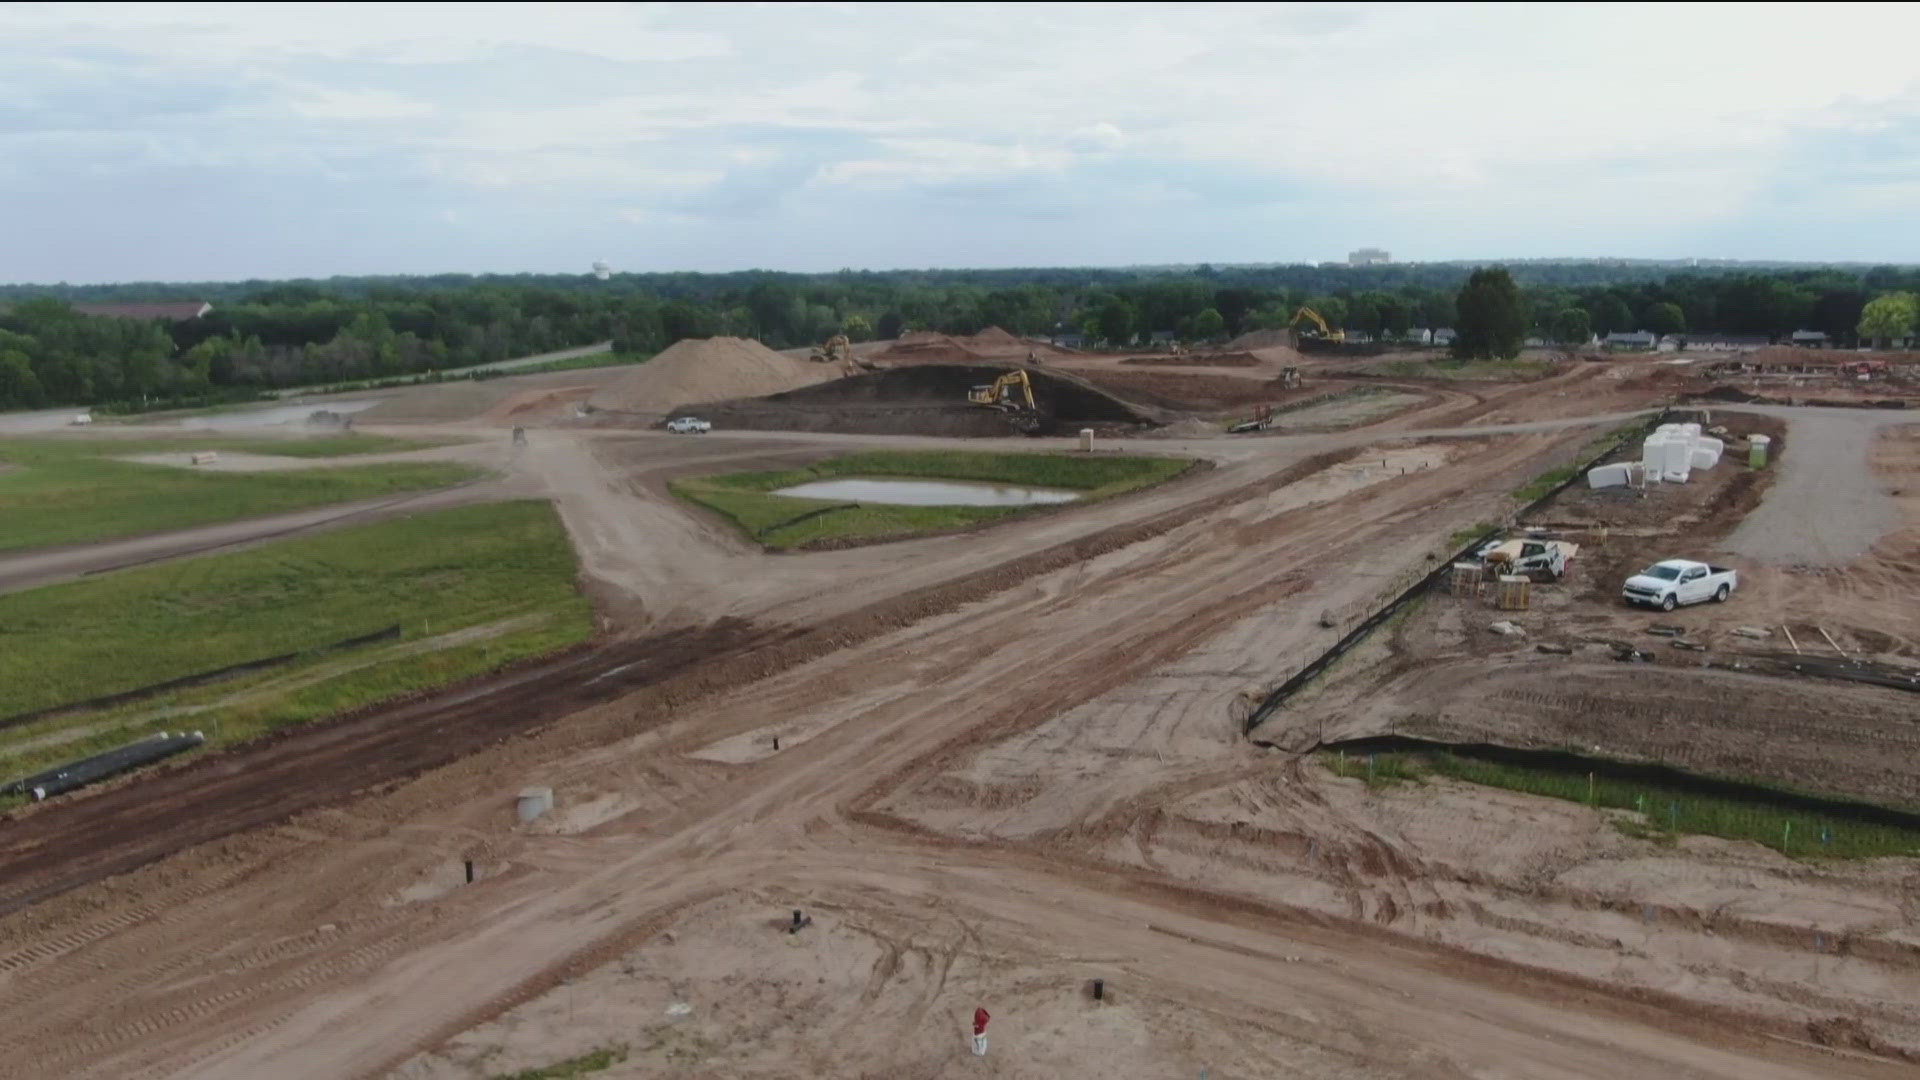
(1325, 331)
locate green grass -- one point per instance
(1460, 537)
(782, 522)
(1545, 482)
(431, 573)
(597, 1061)
(64, 491)
(1468, 370)
(1658, 812)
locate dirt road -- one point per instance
(1829, 507)
(978, 736)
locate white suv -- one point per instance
(688, 425)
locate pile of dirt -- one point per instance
(698, 370)
(926, 346)
(1206, 359)
(1262, 339)
(994, 340)
(931, 399)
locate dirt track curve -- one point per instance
(972, 726)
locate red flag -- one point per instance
(980, 1019)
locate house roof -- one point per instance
(172, 311)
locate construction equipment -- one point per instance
(1327, 333)
(1262, 420)
(838, 349)
(1012, 392)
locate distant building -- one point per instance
(1714, 342)
(1368, 257)
(1632, 339)
(1811, 339)
(171, 311)
(1444, 336)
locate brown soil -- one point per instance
(699, 370)
(930, 399)
(1016, 770)
(1198, 359)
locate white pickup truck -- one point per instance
(688, 425)
(1673, 582)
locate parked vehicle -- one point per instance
(688, 425)
(1672, 583)
(1531, 558)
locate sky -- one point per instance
(181, 141)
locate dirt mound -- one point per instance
(993, 339)
(1211, 359)
(927, 346)
(931, 399)
(698, 370)
(1262, 339)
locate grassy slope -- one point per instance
(783, 522)
(432, 573)
(70, 491)
(1659, 813)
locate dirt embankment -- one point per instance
(931, 399)
(698, 370)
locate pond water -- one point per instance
(897, 492)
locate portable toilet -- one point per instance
(1757, 451)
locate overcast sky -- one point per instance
(183, 141)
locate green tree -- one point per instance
(1890, 317)
(1116, 323)
(1571, 326)
(857, 328)
(1609, 314)
(1664, 319)
(1492, 321)
(19, 386)
(1209, 325)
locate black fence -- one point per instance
(1318, 664)
(200, 679)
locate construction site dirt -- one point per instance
(992, 767)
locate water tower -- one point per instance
(601, 270)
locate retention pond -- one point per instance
(896, 492)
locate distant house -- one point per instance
(171, 311)
(1811, 339)
(1715, 342)
(1443, 336)
(1631, 339)
(1067, 341)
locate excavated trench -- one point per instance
(931, 399)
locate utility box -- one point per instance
(1086, 439)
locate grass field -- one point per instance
(64, 491)
(598, 1061)
(1657, 812)
(781, 522)
(1468, 370)
(505, 566)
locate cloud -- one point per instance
(1099, 136)
(322, 104)
(939, 134)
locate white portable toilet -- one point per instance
(1757, 451)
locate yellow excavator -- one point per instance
(1012, 392)
(1326, 333)
(837, 350)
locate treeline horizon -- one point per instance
(264, 335)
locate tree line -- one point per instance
(265, 335)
